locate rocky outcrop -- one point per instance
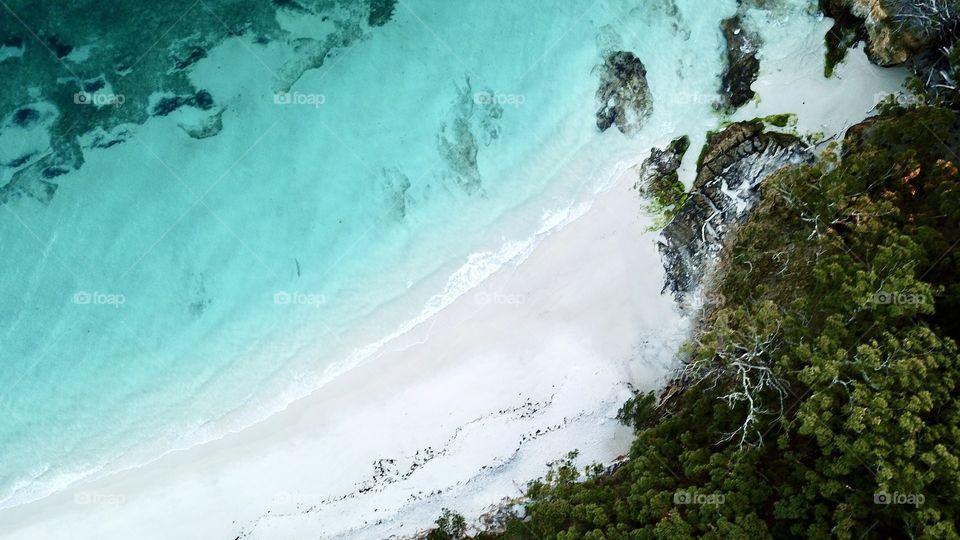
(743, 65)
(884, 46)
(662, 165)
(659, 183)
(896, 30)
(917, 33)
(623, 94)
(730, 175)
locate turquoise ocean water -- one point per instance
(214, 209)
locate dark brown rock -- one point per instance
(623, 94)
(743, 65)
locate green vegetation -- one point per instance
(667, 196)
(780, 120)
(821, 397)
(449, 526)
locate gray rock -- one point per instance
(733, 166)
(624, 94)
(663, 163)
(206, 128)
(895, 31)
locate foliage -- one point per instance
(820, 398)
(450, 526)
(667, 196)
(780, 120)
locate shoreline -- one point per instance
(580, 321)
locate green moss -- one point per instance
(668, 196)
(815, 137)
(780, 120)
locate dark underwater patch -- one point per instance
(58, 47)
(194, 56)
(381, 11)
(94, 84)
(201, 100)
(53, 172)
(25, 116)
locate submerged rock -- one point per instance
(201, 100)
(458, 146)
(101, 138)
(54, 171)
(93, 85)
(624, 95)
(27, 167)
(25, 117)
(743, 65)
(57, 47)
(396, 185)
(732, 168)
(208, 127)
(474, 124)
(191, 57)
(381, 11)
